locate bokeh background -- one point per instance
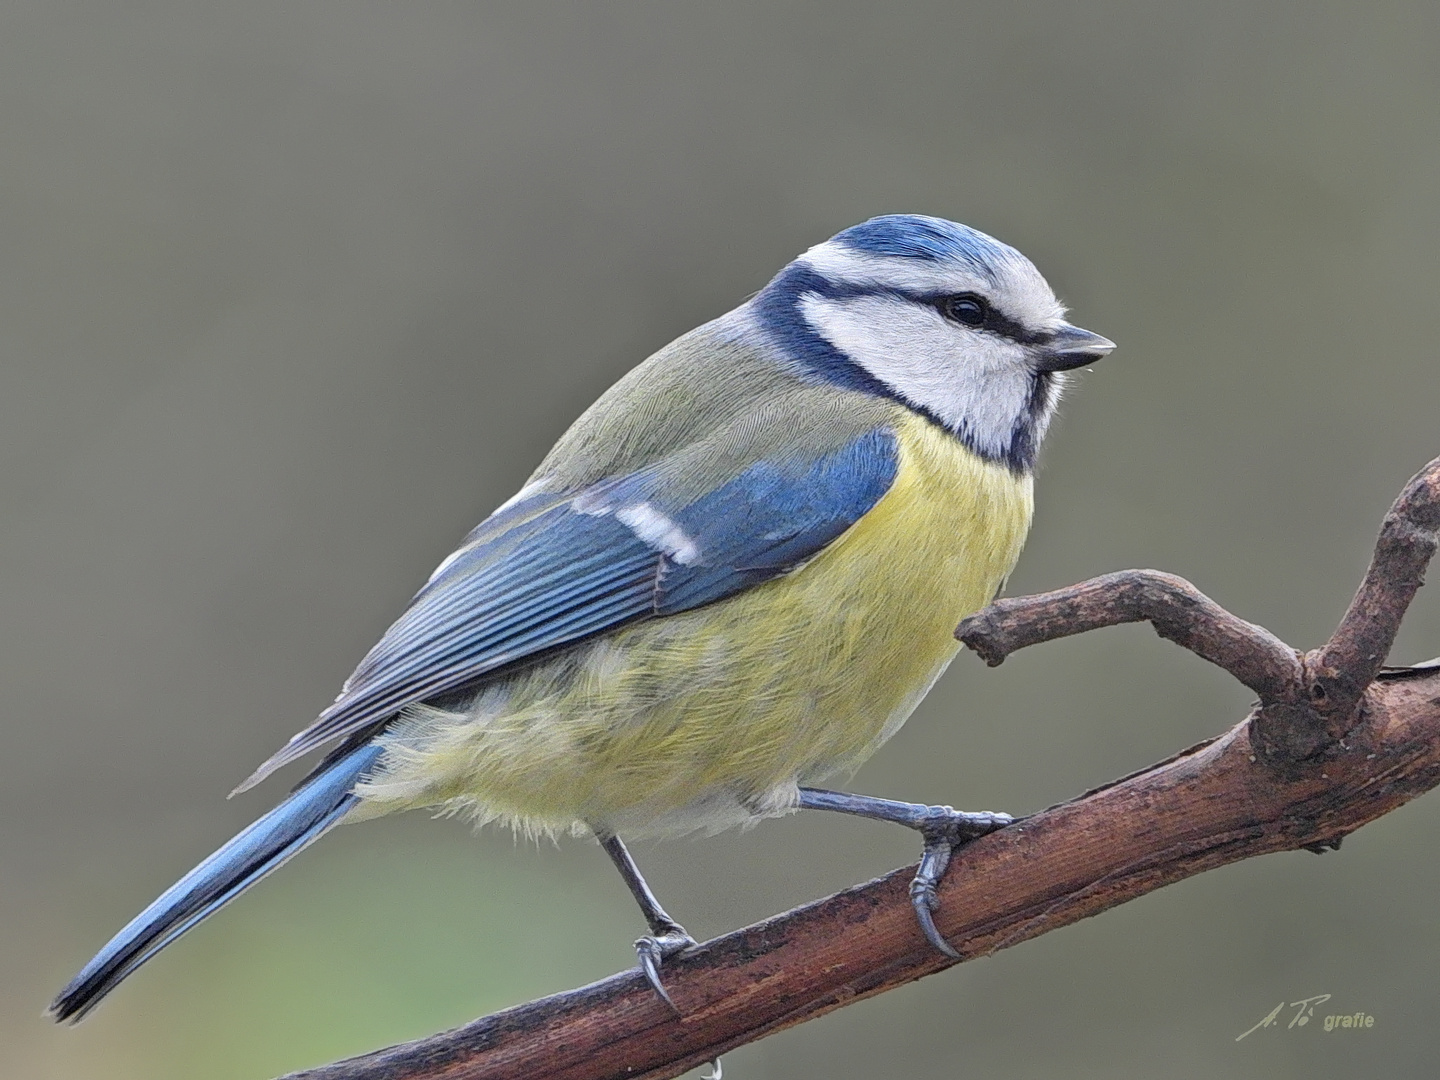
(293, 294)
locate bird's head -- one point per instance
(946, 320)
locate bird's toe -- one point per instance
(654, 950)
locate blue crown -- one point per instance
(916, 236)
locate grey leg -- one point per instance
(667, 937)
(943, 830)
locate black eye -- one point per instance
(966, 308)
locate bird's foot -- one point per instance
(944, 830)
(654, 949)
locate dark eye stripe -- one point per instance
(995, 321)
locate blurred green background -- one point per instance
(296, 293)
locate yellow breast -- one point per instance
(706, 718)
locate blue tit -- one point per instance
(736, 575)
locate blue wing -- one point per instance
(552, 569)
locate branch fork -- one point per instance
(1309, 702)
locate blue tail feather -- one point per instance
(312, 810)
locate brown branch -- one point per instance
(1268, 784)
(1178, 611)
(1348, 663)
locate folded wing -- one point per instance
(552, 569)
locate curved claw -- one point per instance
(949, 830)
(654, 951)
(924, 899)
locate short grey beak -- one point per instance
(1071, 347)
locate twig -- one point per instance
(1272, 783)
(1178, 611)
(1341, 671)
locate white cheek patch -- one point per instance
(973, 382)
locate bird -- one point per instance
(732, 579)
